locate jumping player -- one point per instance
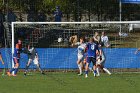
(100, 62)
(33, 56)
(92, 51)
(81, 54)
(16, 58)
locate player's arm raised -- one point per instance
(97, 50)
(73, 40)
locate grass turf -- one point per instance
(58, 82)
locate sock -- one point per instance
(97, 69)
(86, 72)
(16, 70)
(106, 70)
(79, 66)
(11, 70)
(26, 68)
(39, 68)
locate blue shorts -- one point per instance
(15, 61)
(16, 55)
(91, 59)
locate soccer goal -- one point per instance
(53, 42)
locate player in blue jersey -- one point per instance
(92, 51)
(58, 14)
(16, 57)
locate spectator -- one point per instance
(41, 17)
(31, 16)
(58, 14)
(11, 16)
(104, 40)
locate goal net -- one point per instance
(53, 42)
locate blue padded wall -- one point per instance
(65, 58)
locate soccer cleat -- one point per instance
(80, 74)
(25, 73)
(8, 73)
(14, 75)
(110, 74)
(97, 75)
(94, 74)
(86, 75)
(42, 73)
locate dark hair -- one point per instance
(83, 38)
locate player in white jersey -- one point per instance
(100, 61)
(33, 56)
(105, 40)
(81, 54)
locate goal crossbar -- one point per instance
(94, 22)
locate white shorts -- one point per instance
(100, 62)
(81, 57)
(35, 60)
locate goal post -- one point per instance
(44, 36)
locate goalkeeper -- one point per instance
(33, 56)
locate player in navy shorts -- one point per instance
(92, 51)
(16, 57)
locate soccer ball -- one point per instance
(60, 40)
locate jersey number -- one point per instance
(92, 47)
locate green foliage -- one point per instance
(108, 8)
(1, 4)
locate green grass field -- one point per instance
(58, 82)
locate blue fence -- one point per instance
(65, 58)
